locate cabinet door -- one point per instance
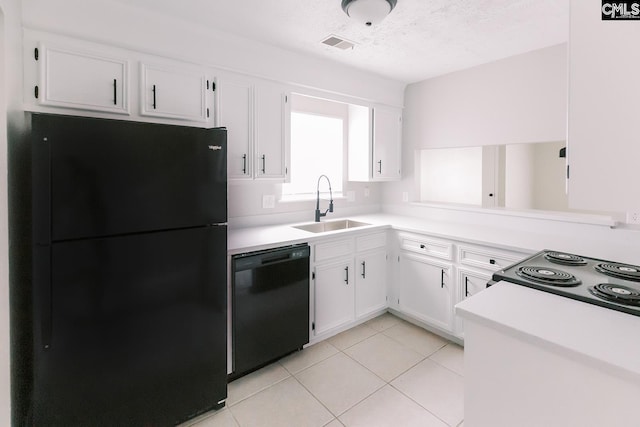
(334, 295)
(470, 282)
(360, 159)
(371, 286)
(82, 81)
(387, 136)
(604, 102)
(270, 131)
(174, 92)
(235, 112)
(425, 289)
(374, 143)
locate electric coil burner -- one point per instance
(621, 271)
(604, 283)
(616, 293)
(548, 276)
(563, 258)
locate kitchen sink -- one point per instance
(321, 227)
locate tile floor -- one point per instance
(385, 372)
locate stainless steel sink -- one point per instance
(321, 227)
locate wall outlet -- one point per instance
(268, 201)
(351, 196)
(633, 218)
(405, 196)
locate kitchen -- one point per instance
(119, 25)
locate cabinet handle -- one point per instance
(363, 270)
(492, 261)
(466, 286)
(346, 279)
(442, 278)
(244, 164)
(380, 167)
(154, 96)
(264, 163)
(115, 92)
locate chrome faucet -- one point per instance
(318, 213)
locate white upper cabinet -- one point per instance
(256, 115)
(235, 112)
(174, 91)
(387, 137)
(375, 138)
(271, 124)
(81, 80)
(604, 105)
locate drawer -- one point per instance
(371, 241)
(487, 258)
(426, 245)
(333, 249)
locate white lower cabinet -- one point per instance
(476, 266)
(350, 280)
(371, 286)
(334, 295)
(470, 282)
(425, 289)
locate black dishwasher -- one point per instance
(270, 312)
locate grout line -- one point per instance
(315, 397)
(445, 367)
(338, 350)
(228, 405)
(418, 403)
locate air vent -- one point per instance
(338, 42)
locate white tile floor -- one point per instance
(385, 372)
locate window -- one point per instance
(317, 148)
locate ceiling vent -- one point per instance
(338, 42)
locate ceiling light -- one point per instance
(369, 12)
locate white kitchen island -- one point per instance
(537, 359)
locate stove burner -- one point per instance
(565, 259)
(548, 276)
(621, 271)
(616, 293)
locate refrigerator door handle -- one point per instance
(42, 285)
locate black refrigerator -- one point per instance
(129, 286)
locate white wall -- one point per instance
(518, 99)
(519, 176)
(549, 180)
(514, 100)
(452, 175)
(10, 125)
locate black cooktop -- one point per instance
(605, 283)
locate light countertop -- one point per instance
(256, 238)
(525, 240)
(598, 336)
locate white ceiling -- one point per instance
(418, 40)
